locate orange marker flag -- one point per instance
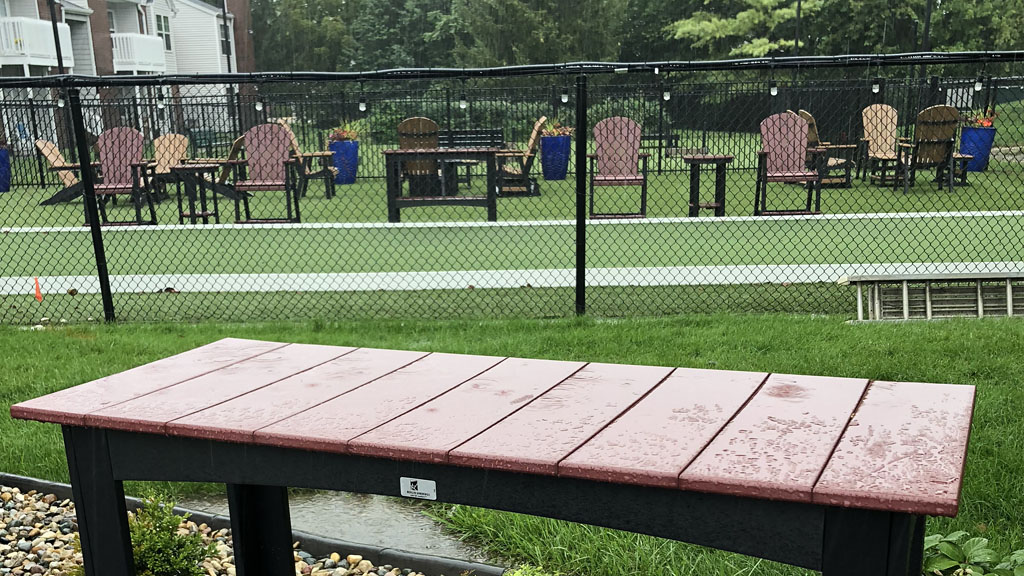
(39, 293)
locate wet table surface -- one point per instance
(851, 442)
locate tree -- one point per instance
(758, 28)
(643, 34)
(512, 32)
(303, 34)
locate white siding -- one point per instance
(126, 17)
(24, 8)
(163, 8)
(81, 46)
(196, 36)
(195, 39)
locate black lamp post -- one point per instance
(56, 35)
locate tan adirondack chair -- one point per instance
(881, 134)
(932, 147)
(71, 186)
(834, 163)
(423, 175)
(514, 166)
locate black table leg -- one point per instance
(859, 542)
(261, 530)
(694, 190)
(190, 190)
(201, 191)
(99, 501)
(181, 206)
(720, 190)
(394, 189)
(492, 194)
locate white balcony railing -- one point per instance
(30, 41)
(138, 53)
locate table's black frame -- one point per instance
(836, 541)
(695, 164)
(393, 168)
(191, 176)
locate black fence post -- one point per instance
(581, 195)
(81, 142)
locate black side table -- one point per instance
(194, 177)
(695, 161)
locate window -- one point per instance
(225, 45)
(110, 22)
(163, 30)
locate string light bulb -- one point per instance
(463, 101)
(160, 100)
(876, 85)
(259, 104)
(565, 95)
(362, 103)
(666, 95)
(979, 84)
(773, 88)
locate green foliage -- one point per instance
(956, 555)
(159, 549)
(760, 28)
(336, 35)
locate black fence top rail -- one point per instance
(770, 63)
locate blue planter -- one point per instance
(346, 160)
(977, 142)
(5, 170)
(554, 156)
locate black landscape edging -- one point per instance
(318, 546)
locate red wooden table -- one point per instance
(832, 474)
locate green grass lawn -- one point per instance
(984, 353)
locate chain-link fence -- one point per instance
(619, 189)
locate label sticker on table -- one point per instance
(419, 488)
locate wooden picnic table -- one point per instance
(832, 474)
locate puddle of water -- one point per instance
(363, 518)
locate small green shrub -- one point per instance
(956, 555)
(159, 549)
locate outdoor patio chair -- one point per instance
(514, 167)
(881, 133)
(120, 153)
(619, 162)
(268, 166)
(305, 171)
(72, 187)
(169, 150)
(932, 147)
(834, 165)
(423, 175)
(783, 159)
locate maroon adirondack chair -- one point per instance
(784, 158)
(619, 162)
(120, 152)
(268, 166)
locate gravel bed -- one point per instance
(37, 533)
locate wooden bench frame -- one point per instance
(837, 541)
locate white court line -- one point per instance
(462, 279)
(520, 223)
